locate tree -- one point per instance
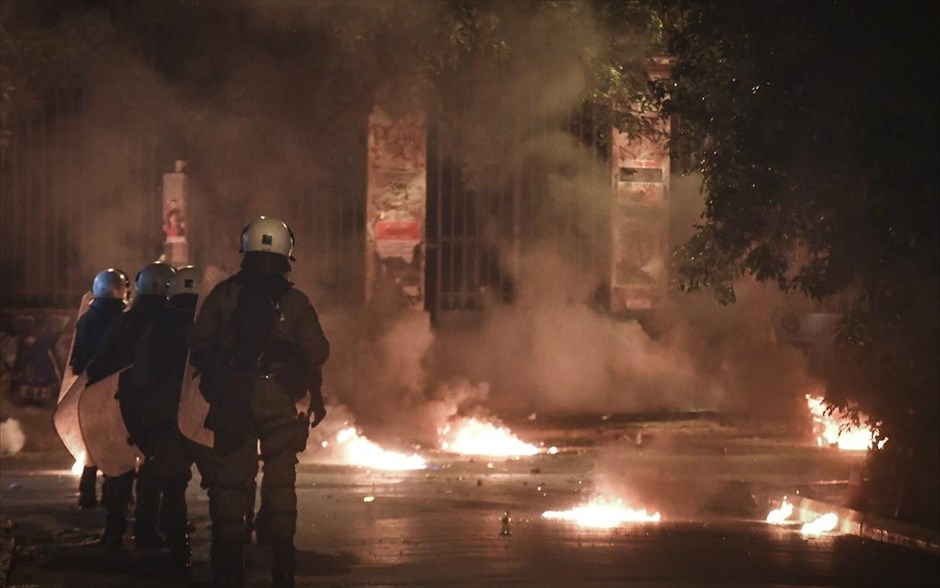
(816, 131)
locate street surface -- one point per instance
(713, 483)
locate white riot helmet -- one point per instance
(269, 235)
(154, 279)
(111, 283)
(186, 280)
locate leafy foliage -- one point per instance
(816, 132)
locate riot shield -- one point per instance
(103, 429)
(69, 378)
(65, 417)
(193, 410)
(66, 422)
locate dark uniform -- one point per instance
(116, 353)
(259, 347)
(157, 378)
(89, 333)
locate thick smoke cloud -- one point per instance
(272, 129)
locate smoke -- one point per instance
(12, 437)
(270, 111)
(551, 352)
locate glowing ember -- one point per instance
(354, 449)
(778, 516)
(602, 513)
(823, 524)
(79, 465)
(836, 428)
(471, 436)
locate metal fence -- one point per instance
(77, 197)
(476, 236)
(47, 214)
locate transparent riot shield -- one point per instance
(65, 417)
(103, 429)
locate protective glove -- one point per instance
(317, 410)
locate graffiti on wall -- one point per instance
(396, 204)
(175, 191)
(34, 347)
(640, 179)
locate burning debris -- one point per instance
(779, 516)
(823, 524)
(835, 428)
(473, 436)
(349, 447)
(12, 437)
(603, 513)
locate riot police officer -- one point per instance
(156, 381)
(259, 347)
(110, 290)
(116, 353)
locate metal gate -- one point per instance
(476, 237)
(49, 217)
(72, 204)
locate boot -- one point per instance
(181, 554)
(148, 540)
(282, 580)
(87, 488)
(283, 564)
(231, 578)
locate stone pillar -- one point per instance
(639, 167)
(175, 195)
(395, 207)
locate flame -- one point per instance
(79, 466)
(602, 513)
(836, 428)
(778, 516)
(823, 524)
(472, 436)
(355, 449)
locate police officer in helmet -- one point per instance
(258, 346)
(110, 289)
(116, 353)
(157, 379)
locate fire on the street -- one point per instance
(603, 513)
(778, 516)
(79, 465)
(355, 449)
(472, 436)
(823, 524)
(836, 428)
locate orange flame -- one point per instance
(836, 428)
(602, 513)
(823, 524)
(351, 448)
(778, 516)
(472, 436)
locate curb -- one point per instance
(7, 549)
(870, 526)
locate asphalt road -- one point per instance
(444, 526)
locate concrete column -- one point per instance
(395, 207)
(175, 227)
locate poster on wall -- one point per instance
(175, 191)
(639, 223)
(397, 200)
